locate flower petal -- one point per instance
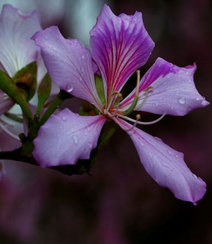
(119, 46)
(166, 165)
(16, 48)
(67, 137)
(173, 90)
(68, 63)
(6, 103)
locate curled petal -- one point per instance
(67, 137)
(119, 45)
(68, 63)
(166, 165)
(16, 47)
(166, 88)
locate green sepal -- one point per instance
(100, 89)
(26, 80)
(87, 109)
(8, 86)
(44, 90)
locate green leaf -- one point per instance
(100, 89)
(8, 86)
(26, 80)
(43, 92)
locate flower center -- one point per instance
(113, 109)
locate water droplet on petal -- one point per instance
(64, 118)
(195, 176)
(75, 139)
(204, 103)
(72, 130)
(83, 56)
(197, 99)
(89, 144)
(181, 100)
(169, 152)
(86, 133)
(69, 87)
(142, 144)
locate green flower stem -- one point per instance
(14, 117)
(63, 95)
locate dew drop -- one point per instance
(204, 103)
(72, 130)
(69, 87)
(195, 177)
(75, 139)
(142, 144)
(181, 100)
(88, 128)
(83, 56)
(86, 133)
(197, 99)
(169, 152)
(64, 118)
(156, 104)
(89, 144)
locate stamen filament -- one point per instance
(138, 117)
(115, 93)
(131, 108)
(142, 122)
(119, 97)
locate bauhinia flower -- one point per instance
(17, 49)
(119, 46)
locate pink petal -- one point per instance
(16, 48)
(68, 63)
(173, 91)
(67, 137)
(119, 45)
(166, 165)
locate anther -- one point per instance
(138, 117)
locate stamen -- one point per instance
(142, 122)
(138, 117)
(131, 108)
(115, 93)
(119, 97)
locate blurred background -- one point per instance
(118, 202)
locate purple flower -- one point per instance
(17, 50)
(119, 46)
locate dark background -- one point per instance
(118, 202)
